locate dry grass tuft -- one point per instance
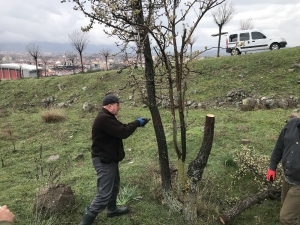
(53, 115)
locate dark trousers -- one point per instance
(290, 199)
(108, 182)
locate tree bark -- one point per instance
(219, 41)
(82, 69)
(196, 169)
(197, 166)
(37, 70)
(272, 192)
(155, 114)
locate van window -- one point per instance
(244, 36)
(257, 35)
(233, 38)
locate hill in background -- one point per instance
(27, 142)
(91, 48)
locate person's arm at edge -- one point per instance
(277, 151)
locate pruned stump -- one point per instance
(54, 199)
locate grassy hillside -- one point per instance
(26, 141)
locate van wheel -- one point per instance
(275, 46)
(235, 51)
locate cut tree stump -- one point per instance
(196, 169)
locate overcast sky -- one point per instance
(27, 21)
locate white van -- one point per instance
(252, 40)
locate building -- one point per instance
(14, 71)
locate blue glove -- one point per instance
(143, 121)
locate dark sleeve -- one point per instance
(277, 151)
(117, 129)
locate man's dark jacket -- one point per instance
(287, 149)
(107, 135)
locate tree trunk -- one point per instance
(106, 59)
(36, 66)
(73, 66)
(219, 41)
(82, 69)
(156, 118)
(155, 114)
(241, 206)
(189, 210)
(196, 169)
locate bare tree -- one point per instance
(192, 41)
(222, 15)
(155, 26)
(34, 51)
(105, 53)
(79, 41)
(45, 60)
(246, 24)
(71, 56)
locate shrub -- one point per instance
(127, 194)
(53, 115)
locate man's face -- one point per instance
(114, 108)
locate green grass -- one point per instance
(259, 74)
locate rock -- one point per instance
(52, 158)
(296, 110)
(194, 105)
(47, 101)
(245, 141)
(61, 87)
(61, 105)
(282, 103)
(249, 102)
(79, 156)
(230, 94)
(270, 103)
(87, 107)
(188, 103)
(297, 65)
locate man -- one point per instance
(107, 152)
(6, 216)
(287, 149)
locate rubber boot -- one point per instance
(88, 217)
(113, 210)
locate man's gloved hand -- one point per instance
(143, 121)
(271, 175)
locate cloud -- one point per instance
(51, 21)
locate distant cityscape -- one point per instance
(90, 49)
(15, 55)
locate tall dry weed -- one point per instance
(53, 115)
